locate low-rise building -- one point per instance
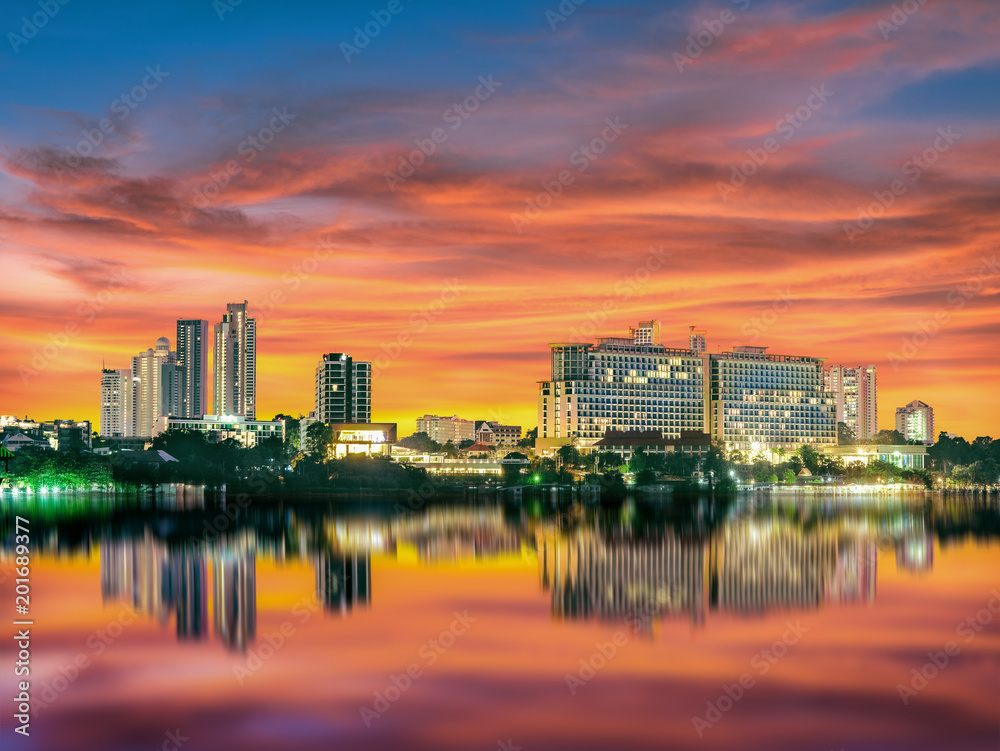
(906, 456)
(442, 464)
(691, 443)
(223, 427)
(444, 429)
(368, 438)
(494, 433)
(60, 435)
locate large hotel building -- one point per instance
(747, 399)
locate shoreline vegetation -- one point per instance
(273, 468)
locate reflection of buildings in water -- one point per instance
(138, 570)
(747, 568)
(235, 597)
(915, 552)
(191, 591)
(853, 580)
(456, 533)
(153, 579)
(614, 579)
(344, 580)
(763, 566)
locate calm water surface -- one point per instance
(784, 625)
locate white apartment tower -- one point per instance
(915, 422)
(235, 363)
(117, 403)
(156, 380)
(855, 392)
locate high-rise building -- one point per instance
(747, 399)
(444, 429)
(619, 384)
(117, 403)
(915, 422)
(855, 394)
(192, 356)
(235, 363)
(156, 380)
(756, 402)
(343, 389)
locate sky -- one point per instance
(444, 188)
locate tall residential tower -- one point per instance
(856, 395)
(192, 356)
(343, 389)
(235, 363)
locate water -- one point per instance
(784, 625)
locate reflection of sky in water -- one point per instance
(279, 630)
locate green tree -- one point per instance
(319, 440)
(790, 476)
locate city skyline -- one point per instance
(699, 341)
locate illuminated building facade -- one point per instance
(222, 427)
(747, 399)
(915, 422)
(756, 402)
(904, 456)
(156, 381)
(444, 429)
(855, 393)
(343, 389)
(192, 356)
(117, 402)
(235, 363)
(619, 384)
(369, 438)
